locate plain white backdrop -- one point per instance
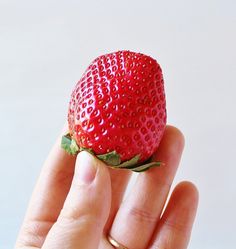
(46, 45)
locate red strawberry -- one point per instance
(117, 110)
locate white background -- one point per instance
(46, 45)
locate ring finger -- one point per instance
(138, 215)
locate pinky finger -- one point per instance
(174, 228)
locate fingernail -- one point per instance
(87, 167)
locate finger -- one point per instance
(86, 209)
(119, 181)
(48, 197)
(136, 219)
(175, 226)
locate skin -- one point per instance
(77, 202)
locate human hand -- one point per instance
(77, 203)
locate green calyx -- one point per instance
(69, 144)
(112, 159)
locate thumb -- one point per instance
(86, 208)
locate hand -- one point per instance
(77, 203)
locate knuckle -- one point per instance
(176, 227)
(33, 233)
(72, 217)
(142, 215)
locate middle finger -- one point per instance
(137, 217)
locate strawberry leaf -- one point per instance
(69, 144)
(111, 158)
(130, 163)
(86, 149)
(147, 166)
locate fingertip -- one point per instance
(83, 157)
(175, 134)
(86, 161)
(86, 168)
(187, 191)
(171, 145)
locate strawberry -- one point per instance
(117, 110)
